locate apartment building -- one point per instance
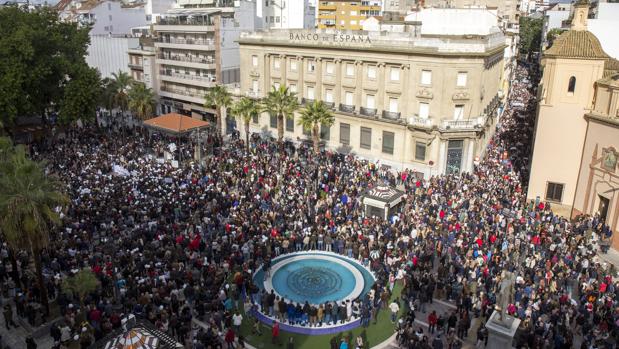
(347, 15)
(508, 11)
(425, 103)
(196, 49)
(142, 65)
(396, 10)
(286, 14)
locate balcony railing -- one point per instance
(347, 108)
(187, 59)
(418, 121)
(330, 105)
(307, 100)
(184, 92)
(179, 21)
(253, 94)
(391, 115)
(468, 124)
(188, 76)
(367, 111)
(135, 66)
(186, 41)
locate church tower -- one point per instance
(571, 66)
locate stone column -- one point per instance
(283, 69)
(318, 86)
(501, 333)
(337, 95)
(380, 95)
(300, 83)
(359, 85)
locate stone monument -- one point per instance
(502, 327)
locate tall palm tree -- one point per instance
(221, 99)
(28, 198)
(106, 99)
(282, 103)
(246, 108)
(141, 100)
(313, 116)
(121, 83)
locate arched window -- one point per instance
(572, 85)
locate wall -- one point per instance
(230, 29)
(109, 53)
(122, 19)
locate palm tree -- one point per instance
(313, 116)
(220, 98)
(141, 100)
(246, 108)
(106, 99)
(121, 84)
(282, 103)
(28, 199)
(81, 284)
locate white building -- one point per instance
(605, 26)
(154, 8)
(285, 14)
(105, 17)
(108, 53)
(554, 18)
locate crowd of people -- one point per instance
(172, 244)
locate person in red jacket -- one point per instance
(229, 338)
(275, 333)
(432, 320)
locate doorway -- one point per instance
(603, 207)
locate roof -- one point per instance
(580, 44)
(383, 194)
(175, 123)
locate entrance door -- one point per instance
(454, 156)
(603, 207)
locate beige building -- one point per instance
(142, 66)
(576, 126)
(345, 14)
(425, 103)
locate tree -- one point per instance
(28, 199)
(141, 100)
(282, 103)
(246, 108)
(81, 96)
(81, 284)
(530, 34)
(121, 83)
(553, 34)
(220, 98)
(39, 55)
(106, 98)
(313, 117)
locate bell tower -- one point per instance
(581, 13)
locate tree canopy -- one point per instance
(43, 66)
(530, 34)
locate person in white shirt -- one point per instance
(237, 320)
(395, 308)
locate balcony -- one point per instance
(330, 105)
(135, 66)
(206, 44)
(391, 115)
(205, 81)
(182, 94)
(190, 61)
(307, 101)
(421, 122)
(367, 111)
(253, 94)
(469, 124)
(347, 108)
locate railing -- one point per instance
(187, 59)
(176, 21)
(189, 76)
(468, 124)
(329, 104)
(418, 121)
(367, 111)
(253, 94)
(391, 115)
(347, 108)
(186, 41)
(307, 100)
(135, 66)
(183, 92)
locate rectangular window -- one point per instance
(371, 72)
(348, 98)
(311, 66)
(388, 142)
(426, 77)
(330, 68)
(366, 138)
(369, 101)
(394, 74)
(254, 60)
(276, 64)
(420, 151)
(424, 110)
(254, 118)
(290, 124)
(461, 82)
(254, 85)
(277, 19)
(325, 132)
(458, 111)
(329, 96)
(393, 105)
(276, 84)
(353, 13)
(310, 92)
(554, 192)
(350, 69)
(344, 133)
(293, 65)
(273, 120)
(353, 22)
(292, 88)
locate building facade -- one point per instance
(104, 17)
(196, 48)
(108, 54)
(286, 14)
(346, 15)
(142, 64)
(428, 104)
(575, 94)
(396, 10)
(508, 10)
